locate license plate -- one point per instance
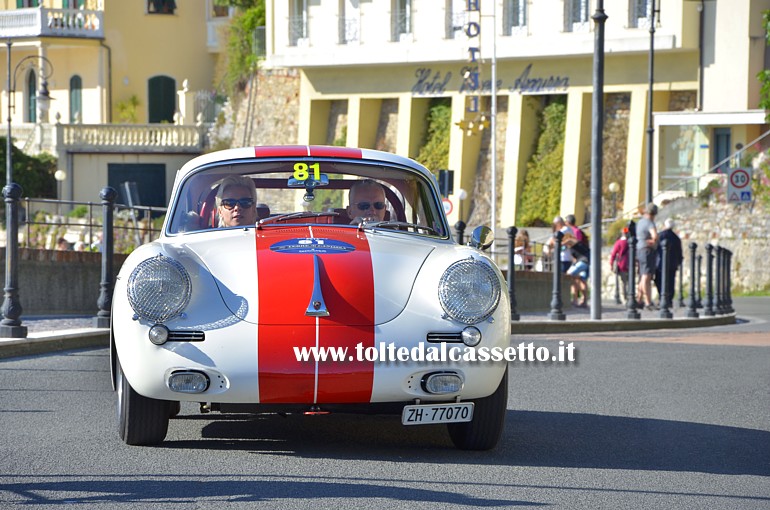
(437, 413)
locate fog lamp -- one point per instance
(158, 334)
(471, 336)
(441, 383)
(188, 381)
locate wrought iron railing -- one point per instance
(44, 222)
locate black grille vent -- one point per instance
(445, 337)
(186, 336)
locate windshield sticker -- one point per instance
(312, 246)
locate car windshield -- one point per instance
(272, 194)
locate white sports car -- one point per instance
(310, 280)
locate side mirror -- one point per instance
(482, 238)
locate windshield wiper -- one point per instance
(293, 216)
(399, 224)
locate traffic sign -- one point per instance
(447, 206)
(739, 185)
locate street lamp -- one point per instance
(59, 175)
(10, 326)
(653, 10)
(614, 188)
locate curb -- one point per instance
(604, 325)
(44, 342)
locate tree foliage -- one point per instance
(33, 173)
(240, 60)
(541, 194)
(764, 75)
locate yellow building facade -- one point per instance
(385, 60)
(122, 76)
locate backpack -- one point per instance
(580, 236)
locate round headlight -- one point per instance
(469, 291)
(159, 289)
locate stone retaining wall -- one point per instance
(59, 282)
(742, 229)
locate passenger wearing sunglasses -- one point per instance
(236, 202)
(367, 202)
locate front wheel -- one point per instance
(141, 420)
(483, 432)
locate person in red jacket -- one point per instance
(619, 260)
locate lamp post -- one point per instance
(654, 9)
(614, 188)
(59, 175)
(10, 326)
(597, 127)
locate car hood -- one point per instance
(291, 275)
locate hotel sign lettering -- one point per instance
(431, 82)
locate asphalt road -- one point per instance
(655, 419)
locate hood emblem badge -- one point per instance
(317, 306)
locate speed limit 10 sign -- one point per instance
(739, 185)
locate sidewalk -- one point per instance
(57, 333)
(614, 317)
(54, 333)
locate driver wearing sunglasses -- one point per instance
(236, 201)
(367, 202)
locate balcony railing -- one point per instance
(42, 22)
(145, 137)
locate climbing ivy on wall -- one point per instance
(434, 153)
(541, 194)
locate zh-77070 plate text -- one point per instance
(437, 413)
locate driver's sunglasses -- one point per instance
(364, 206)
(230, 203)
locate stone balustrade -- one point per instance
(146, 137)
(43, 22)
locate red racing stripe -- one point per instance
(335, 152)
(319, 151)
(268, 151)
(285, 286)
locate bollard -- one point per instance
(699, 303)
(11, 327)
(556, 304)
(718, 306)
(709, 310)
(692, 310)
(680, 304)
(102, 319)
(617, 288)
(460, 228)
(665, 298)
(729, 282)
(632, 312)
(511, 271)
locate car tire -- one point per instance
(141, 420)
(174, 408)
(483, 432)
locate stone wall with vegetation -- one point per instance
(742, 229)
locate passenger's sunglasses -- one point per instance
(364, 206)
(230, 203)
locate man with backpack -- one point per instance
(581, 256)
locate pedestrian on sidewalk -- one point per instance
(674, 260)
(619, 260)
(646, 254)
(565, 257)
